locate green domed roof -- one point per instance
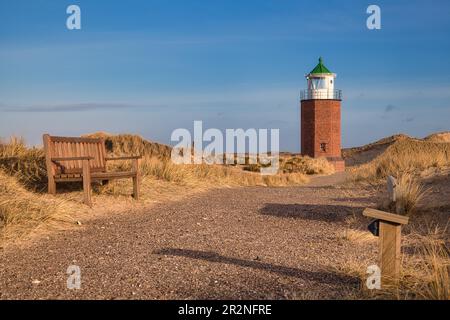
(320, 68)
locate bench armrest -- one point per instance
(72, 158)
(123, 158)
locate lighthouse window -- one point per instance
(323, 147)
(318, 83)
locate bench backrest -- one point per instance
(66, 147)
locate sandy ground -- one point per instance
(242, 243)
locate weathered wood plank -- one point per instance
(112, 175)
(74, 177)
(75, 139)
(390, 237)
(73, 151)
(87, 183)
(94, 163)
(78, 154)
(386, 216)
(71, 158)
(136, 179)
(66, 153)
(49, 164)
(123, 158)
(103, 153)
(99, 154)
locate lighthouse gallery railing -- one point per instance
(309, 94)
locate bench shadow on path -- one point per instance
(326, 277)
(317, 212)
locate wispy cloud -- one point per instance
(78, 107)
(276, 98)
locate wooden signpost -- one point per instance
(389, 231)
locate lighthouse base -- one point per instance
(338, 163)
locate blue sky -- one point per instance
(149, 67)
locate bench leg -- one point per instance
(136, 179)
(51, 185)
(87, 183)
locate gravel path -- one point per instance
(251, 243)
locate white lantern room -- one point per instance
(320, 84)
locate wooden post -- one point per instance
(136, 179)
(390, 243)
(48, 162)
(87, 183)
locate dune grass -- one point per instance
(426, 261)
(26, 164)
(425, 242)
(299, 165)
(425, 273)
(132, 144)
(22, 211)
(409, 192)
(24, 202)
(408, 156)
(427, 277)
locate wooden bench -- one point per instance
(71, 159)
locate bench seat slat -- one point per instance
(113, 175)
(95, 176)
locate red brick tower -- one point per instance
(321, 117)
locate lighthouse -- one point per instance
(321, 117)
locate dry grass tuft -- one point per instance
(409, 193)
(22, 210)
(306, 165)
(358, 236)
(425, 274)
(126, 144)
(436, 266)
(26, 164)
(299, 165)
(209, 175)
(280, 180)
